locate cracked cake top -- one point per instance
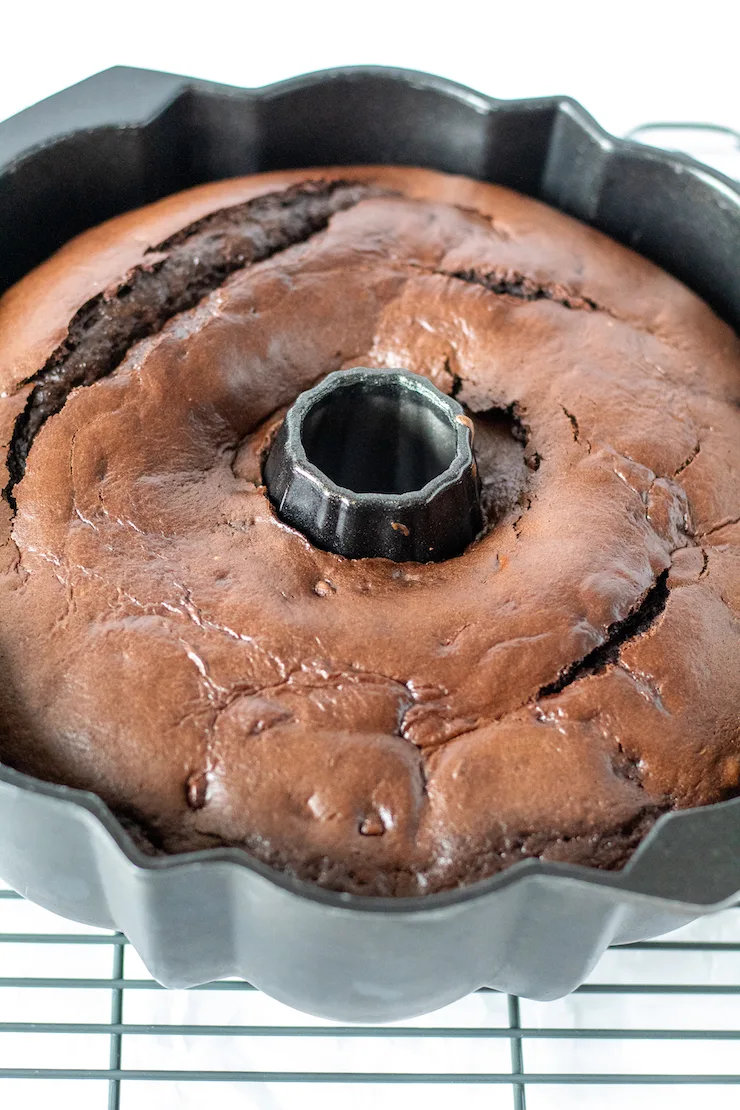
(380, 728)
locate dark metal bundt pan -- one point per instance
(126, 137)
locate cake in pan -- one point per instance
(378, 727)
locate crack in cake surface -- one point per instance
(199, 258)
(512, 283)
(634, 625)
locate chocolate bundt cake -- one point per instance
(378, 727)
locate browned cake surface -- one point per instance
(168, 643)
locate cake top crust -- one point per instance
(377, 727)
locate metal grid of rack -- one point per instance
(83, 1025)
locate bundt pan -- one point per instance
(126, 137)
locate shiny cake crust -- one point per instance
(378, 728)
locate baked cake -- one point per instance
(383, 728)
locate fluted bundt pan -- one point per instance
(126, 137)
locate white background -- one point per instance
(628, 63)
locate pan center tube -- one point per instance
(377, 464)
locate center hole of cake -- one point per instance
(378, 437)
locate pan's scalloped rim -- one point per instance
(89, 807)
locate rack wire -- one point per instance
(83, 1025)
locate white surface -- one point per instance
(628, 64)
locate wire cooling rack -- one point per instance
(84, 1026)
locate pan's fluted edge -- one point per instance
(127, 137)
